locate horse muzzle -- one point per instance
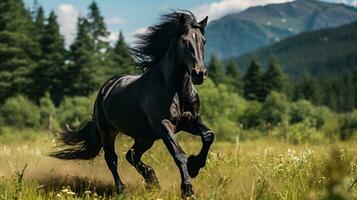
(198, 74)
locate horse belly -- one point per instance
(127, 117)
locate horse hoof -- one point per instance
(192, 197)
(193, 165)
(187, 192)
(152, 185)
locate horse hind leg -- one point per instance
(134, 158)
(111, 159)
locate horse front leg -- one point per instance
(167, 134)
(196, 126)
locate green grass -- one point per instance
(259, 169)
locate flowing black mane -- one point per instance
(153, 44)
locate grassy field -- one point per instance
(260, 169)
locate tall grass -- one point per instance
(260, 169)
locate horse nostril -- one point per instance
(206, 73)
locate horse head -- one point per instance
(190, 46)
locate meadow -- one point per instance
(265, 168)
(278, 135)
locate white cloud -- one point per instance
(130, 37)
(115, 20)
(67, 19)
(218, 9)
(343, 1)
(113, 36)
(354, 3)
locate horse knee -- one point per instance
(208, 137)
(181, 158)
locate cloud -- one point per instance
(67, 19)
(218, 9)
(113, 36)
(130, 37)
(115, 20)
(354, 3)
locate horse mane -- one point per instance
(152, 45)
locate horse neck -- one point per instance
(173, 70)
(176, 78)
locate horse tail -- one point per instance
(85, 142)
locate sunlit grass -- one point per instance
(260, 169)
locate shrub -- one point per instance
(304, 131)
(349, 125)
(325, 118)
(74, 110)
(221, 108)
(251, 116)
(317, 115)
(275, 109)
(48, 113)
(20, 112)
(300, 111)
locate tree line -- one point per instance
(338, 91)
(44, 84)
(34, 59)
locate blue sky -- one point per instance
(134, 16)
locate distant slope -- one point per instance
(325, 51)
(260, 26)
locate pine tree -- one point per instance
(348, 94)
(18, 49)
(252, 82)
(273, 78)
(39, 22)
(216, 70)
(354, 87)
(50, 74)
(98, 29)
(306, 88)
(120, 58)
(82, 69)
(233, 76)
(99, 34)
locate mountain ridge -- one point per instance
(259, 26)
(325, 51)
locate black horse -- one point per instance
(155, 105)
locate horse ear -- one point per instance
(203, 23)
(182, 20)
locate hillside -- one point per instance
(326, 51)
(256, 27)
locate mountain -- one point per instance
(256, 27)
(322, 52)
